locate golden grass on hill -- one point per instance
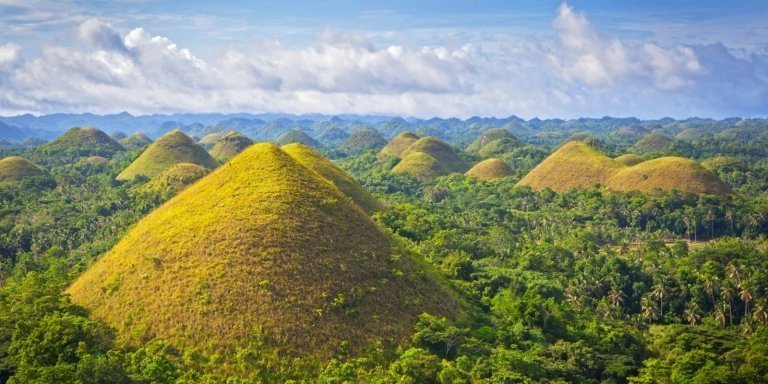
(281, 249)
(630, 159)
(211, 138)
(307, 157)
(230, 146)
(135, 141)
(175, 179)
(574, 165)
(15, 167)
(397, 145)
(428, 158)
(173, 148)
(666, 174)
(298, 136)
(490, 169)
(421, 166)
(652, 142)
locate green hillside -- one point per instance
(397, 145)
(230, 146)
(174, 179)
(630, 159)
(632, 130)
(652, 142)
(173, 148)
(82, 142)
(724, 163)
(690, 133)
(15, 167)
(297, 136)
(209, 140)
(666, 174)
(490, 169)
(574, 165)
(282, 260)
(307, 157)
(494, 142)
(363, 140)
(135, 141)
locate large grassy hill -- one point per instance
(652, 142)
(15, 167)
(230, 146)
(430, 157)
(173, 148)
(363, 140)
(82, 142)
(282, 260)
(494, 142)
(397, 145)
(666, 174)
(574, 165)
(490, 169)
(135, 141)
(297, 136)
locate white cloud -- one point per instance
(576, 70)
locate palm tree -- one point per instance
(692, 313)
(710, 285)
(720, 313)
(728, 293)
(661, 292)
(616, 296)
(648, 308)
(760, 312)
(746, 296)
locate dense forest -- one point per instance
(588, 285)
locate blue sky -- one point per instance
(406, 57)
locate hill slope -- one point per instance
(307, 157)
(666, 174)
(135, 141)
(494, 142)
(630, 159)
(82, 142)
(173, 148)
(652, 142)
(398, 144)
(363, 140)
(574, 165)
(15, 167)
(282, 250)
(428, 158)
(230, 146)
(490, 169)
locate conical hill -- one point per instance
(494, 142)
(666, 174)
(230, 146)
(363, 140)
(574, 165)
(82, 142)
(15, 167)
(173, 148)
(282, 258)
(652, 142)
(490, 169)
(307, 157)
(398, 144)
(630, 159)
(135, 141)
(209, 140)
(297, 136)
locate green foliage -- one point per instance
(173, 148)
(81, 142)
(362, 140)
(298, 136)
(230, 146)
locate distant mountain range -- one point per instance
(261, 127)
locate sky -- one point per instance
(421, 58)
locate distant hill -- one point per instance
(307, 157)
(82, 142)
(230, 146)
(428, 158)
(135, 141)
(173, 148)
(494, 142)
(15, 168)
(632, 130)
(724, 163)
(297, 136)
(630, 159)
(490, 169)
(209, 140)
(363, 140)
(666, 174)
(174, 179)
(398, 144)
(652, 142)
(118, 135)
(576, 165)
(283, 258)
(690, 133)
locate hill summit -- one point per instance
(428, 158)
(15, 167)
(173, 148)
(576, 165)
(82, 142)
(397, 145)
(283, 259)
(494, 142)
(298, 136)
(362, 140)
(230, 146)
(135, 141)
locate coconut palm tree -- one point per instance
(745, 294)
(691, 313)
(727, 293)
(760, 312)
(661, 292)
(648, 308)
(719, 313)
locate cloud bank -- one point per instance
(576, 70)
